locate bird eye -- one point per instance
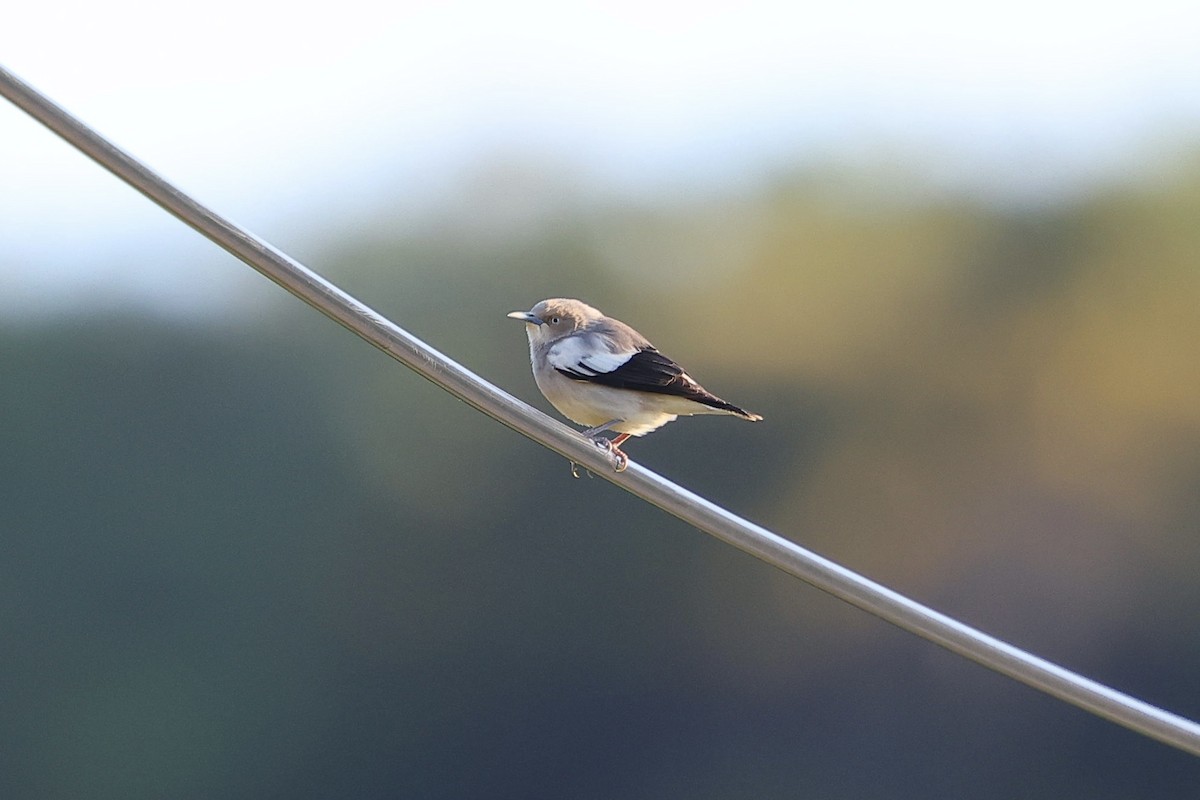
(555, 320)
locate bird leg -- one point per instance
(593, 433)
(618, 453)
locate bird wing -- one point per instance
(643, 369)
(584, 356)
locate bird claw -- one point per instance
(575, 471)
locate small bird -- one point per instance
(599, 372)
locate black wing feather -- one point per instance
(650, 371)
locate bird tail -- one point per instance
(712, 401)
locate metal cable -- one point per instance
(693, 509)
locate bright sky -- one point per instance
(274, 112)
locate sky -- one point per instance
(288, 119)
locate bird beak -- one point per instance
(526, 317)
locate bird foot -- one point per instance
(620, 460)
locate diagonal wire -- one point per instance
(503, 407)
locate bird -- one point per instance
(601, 373)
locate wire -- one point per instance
(689, 507)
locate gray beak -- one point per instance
(526, 316)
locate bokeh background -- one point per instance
(951, 253)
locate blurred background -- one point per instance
(952, 255)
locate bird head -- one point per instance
(550, 319)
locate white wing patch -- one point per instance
(579, 354)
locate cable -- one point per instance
(689, 507)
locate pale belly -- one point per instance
(591, 405)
